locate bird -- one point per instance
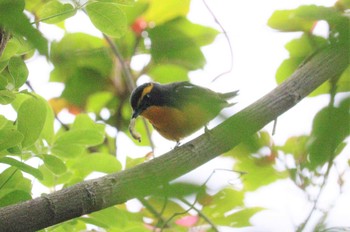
(178, 109)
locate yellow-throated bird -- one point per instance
(178, 109)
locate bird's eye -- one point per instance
(147, 96)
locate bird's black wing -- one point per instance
(187, 93)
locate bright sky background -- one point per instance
(258, 51)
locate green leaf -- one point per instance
(171, 45)
(201, 35)
(7, 81)
(314, 13)
(10, 50)
(15, 21)
(287, 68)
(13, 197)
(9, 138)
(91, 81)
(18, 70)
(50, 179)
(287, 20)
(106, 218)
(67, 150)
(48, 129)
(3, 65)
(107, 17)
(168, 73)
(159, 13)
(78, 51)
(330, 127)
(97, 101)
(55, 12)
(83, 121)
(12, 178)
(98, 162)
(31, 119)
(84, 137)
(225, 201)
(122, 2)
(305, 45)
(84, 132)
(296, 146)
(179, 190)
(54, 164)
(6, 97)
(22, 166)
(237, 219)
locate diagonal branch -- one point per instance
(142, 180)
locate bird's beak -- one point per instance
(136, 112)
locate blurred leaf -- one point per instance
(97, 101)
(83, 137)
(123, 2)
(48, 130)
(201, 35)
(159, 13)
(91, 81)
(168, 73)
(12, 178)
(3, 65)
(158, 203)
(98, 162)
(50, 179)
(315, 13)
(241, 218)
(330, 127)
(67, 150)
(54, 12)
(10, 50)
(7, 81)
(15, 21)
(13, 197)
(126, 220)
(54, 164)
(79, 51)
(179, 48)
(287, 68)
(259, 171)
(296, 146)
(224, 201)
(31, 119)
(305, 45)
(9, 138)
(178, 190)
(287, 20)
(22, 166)
(107, 17)
(18, 70)
(84, 122)
(135, 12)
(6, 97)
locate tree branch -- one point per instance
(142, 180)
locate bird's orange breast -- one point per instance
(175, 124)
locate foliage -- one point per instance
(95, 72)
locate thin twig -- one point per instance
(226, 37)
(302, 226)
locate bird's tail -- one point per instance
(229, 95)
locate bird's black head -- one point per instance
(141, 98)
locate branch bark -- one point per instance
(142, 180)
